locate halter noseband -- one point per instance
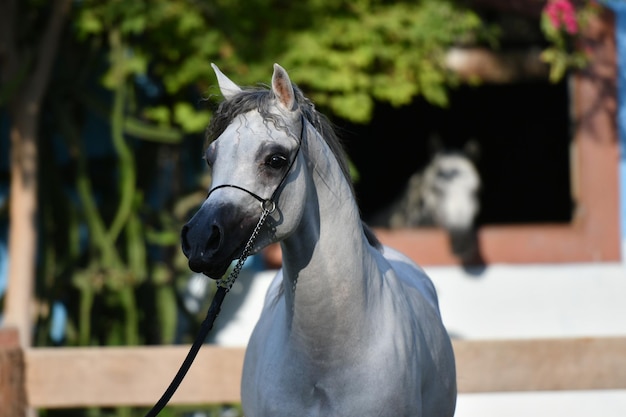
(269, 204)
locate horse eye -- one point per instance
(276, 161)
(209, 154)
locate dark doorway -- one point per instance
(523, 135)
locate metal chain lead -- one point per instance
(268, 208)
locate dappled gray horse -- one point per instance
(443, 194)
(349, 327)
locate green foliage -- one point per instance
(172, 41)
(115, 290)
(347, 55)
(389, 52)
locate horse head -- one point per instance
(450, 191)
(253, 155)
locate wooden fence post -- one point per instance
(13, 401)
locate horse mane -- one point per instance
(260, 99)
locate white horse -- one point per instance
(349, 327)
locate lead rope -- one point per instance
(223, 287)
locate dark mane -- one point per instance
(260, 99)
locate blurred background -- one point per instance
(462, 120)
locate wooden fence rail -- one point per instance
(114, 376)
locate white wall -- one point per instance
(536, 301)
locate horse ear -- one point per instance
(228, 88)
(282, 88)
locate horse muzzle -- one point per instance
(212, 240)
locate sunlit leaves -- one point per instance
(388, 52)
(190, 119)
(345, 54)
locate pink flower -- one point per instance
(562, 14)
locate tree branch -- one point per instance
(47, 50)
(9, 60)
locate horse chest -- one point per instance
(287, 383)
(345, 393)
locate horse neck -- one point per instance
(327, 262)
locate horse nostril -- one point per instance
(198, 249)
(215, 237)
(183, 240)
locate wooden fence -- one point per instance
(137, 376)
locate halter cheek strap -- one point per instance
(269, 204)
